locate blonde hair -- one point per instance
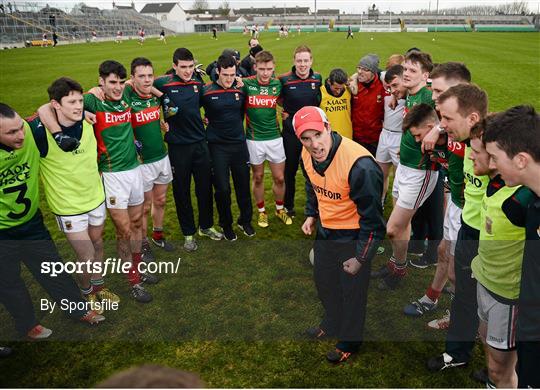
(394, 59)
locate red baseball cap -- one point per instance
(309, 118)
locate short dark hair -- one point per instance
(418, 115)
(452, 71)
(62, 87)
(112, 67)
(412, 49)
(478, 129)
(255, 49)
(140, 61)
(182, 54)
(264, 56)
(470, 98)
(6, 111)
(516, 130)
(393, 71)
(225, 61)
(424, 59)
(250, 39)
(338, 75)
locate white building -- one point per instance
(164, 11)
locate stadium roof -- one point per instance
(215, 11)
(157, 8)
(328, 12)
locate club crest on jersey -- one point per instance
(195, 89)
(489, 225)
(11, 156)
(274, 90)
(124, 104)
(112, 200)
(69, 225)
(236, 96)
(379, 98)
(313, 86)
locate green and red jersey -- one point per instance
(261, 114)
(410, 151)
(456, 178)
(114, 134)
(145, 120)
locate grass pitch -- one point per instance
(234, 311)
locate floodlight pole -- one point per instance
(437, 16)
(315, 25)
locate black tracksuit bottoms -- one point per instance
(293, 151)
(31, 244)
(231, 159)
(463, 328)
(186, 161)
(343, 296)
(429, 222)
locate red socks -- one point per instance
(433, 294)
(133, 275)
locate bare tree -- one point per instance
(200, 5)
(224, 8)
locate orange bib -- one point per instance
(336, 209)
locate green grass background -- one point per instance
(235, 311)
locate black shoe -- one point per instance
(247, 229)
(65, 142)
(390, 282)
(147, 278)
(229, 233)
(317, 333)
(442, 362)
(140, 294)
(338, 356)
(416, 247)
(381, 272)
(422, 262)
(5, 352)
(147, 255)
(480, 375)
(163, 244)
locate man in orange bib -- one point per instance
(344, 186)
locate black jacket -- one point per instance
(366, 183)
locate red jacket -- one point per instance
(368, 111)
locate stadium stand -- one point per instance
(375, 21)
(27, 22)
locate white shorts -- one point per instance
(388, 148)
(79, 223)
(158, 172)
(501, 320)
(452, 224)
(123, 189)
(272, 150)
(413, 186)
